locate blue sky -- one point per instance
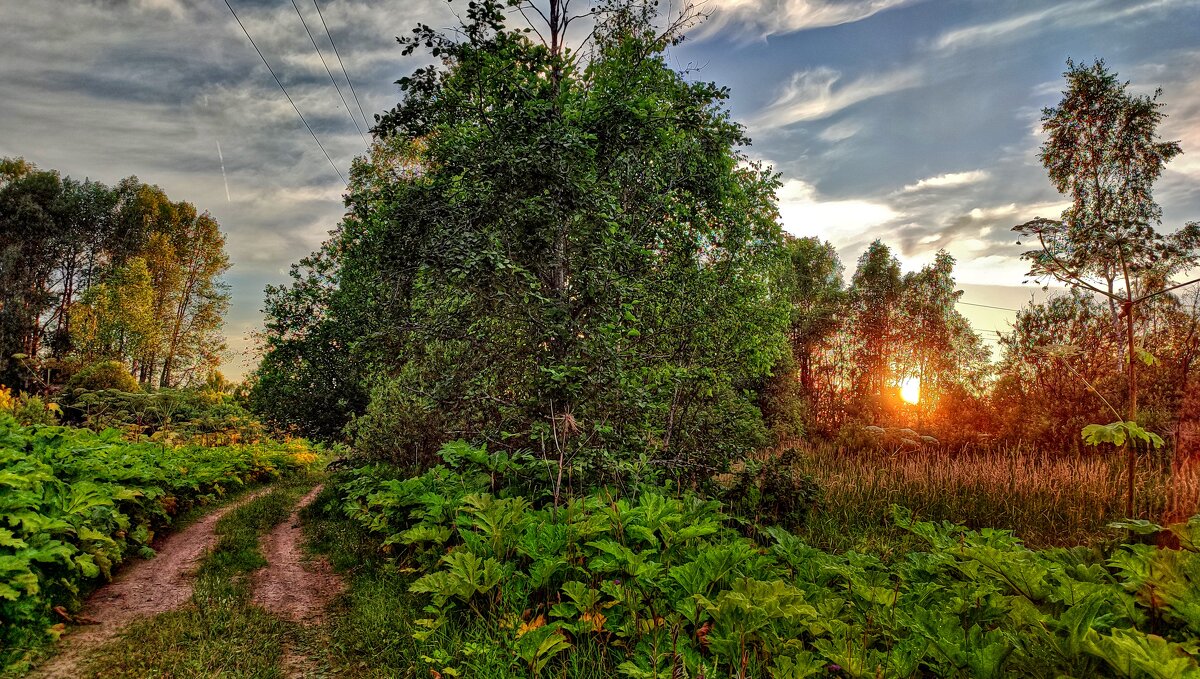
(907, 120)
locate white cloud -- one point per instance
(1023, 26)
(804, 212)
(840, 131)
(764, 18)
(816, 94)
(949, 180)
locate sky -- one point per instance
(913, 121)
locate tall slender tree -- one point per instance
(1103, 150)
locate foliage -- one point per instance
(100, 376)
(90, 272)
(666, 585)
(26, 409)
(76, 504)
(204, 415)
(546, 250)
(772, 492)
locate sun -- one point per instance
(910, 389)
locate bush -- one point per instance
(28, 409)
(169, 415)
(102, 375)
(774, 492)
(398, 427)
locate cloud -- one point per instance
(1059, 15)
(816, 94)
(764, 18)
(840, 131)
(950, 180)
(804, 212)
(110, 88)
(978, 230)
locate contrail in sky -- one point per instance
(223, 177)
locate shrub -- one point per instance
(102, 375)
(775, 492)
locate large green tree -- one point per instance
(559, 250)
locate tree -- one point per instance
(875, 293)
(61, 238)
(564, 252)
(939, 347)
(1103, 150)
(813, 278)
(115, 320)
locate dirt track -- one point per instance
(291, 586)
(141, 590)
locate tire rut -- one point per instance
(291, 585)
(295, 587)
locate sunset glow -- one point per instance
(910, 389)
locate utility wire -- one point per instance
(339, 58)
(331, 78)
(988, 306)
(285, 92)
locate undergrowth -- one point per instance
(665, 584)
(1047, 500)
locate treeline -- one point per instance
(855, 345)
(92, 273)
(1060, 365)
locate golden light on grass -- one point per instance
(910, 389)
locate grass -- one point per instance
(220, 633)
(370, 628)
(1047, 500)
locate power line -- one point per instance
(988, 306)
(331, 79)
(285, 92)
(339, 58)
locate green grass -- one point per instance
(220, 632)
(369, 629)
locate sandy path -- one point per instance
(292, 586)
(143, 589)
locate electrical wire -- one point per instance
(285, 92)
(330, 73)
(342, 65)
(988, 306)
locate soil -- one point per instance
(292, 586)
(143, 589)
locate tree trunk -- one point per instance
(1131, 449)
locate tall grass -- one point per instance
(1048, 500)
